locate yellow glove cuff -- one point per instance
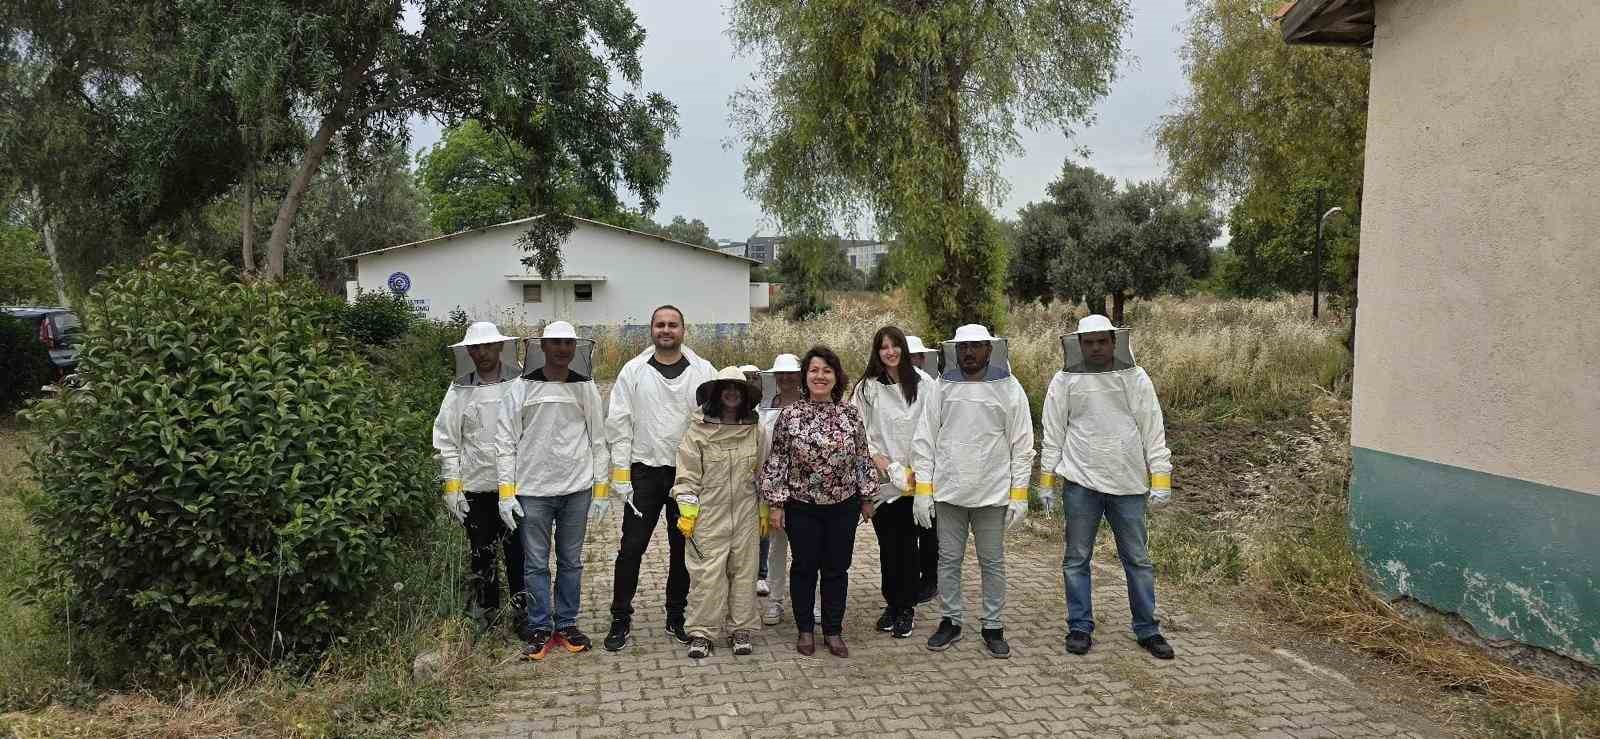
(1019, 494)
(601, 490)
(621, 474)
(452, 486)
(1047, 479)
(507, 490)
(924, 488)
(1161, 481)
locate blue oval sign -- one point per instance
(400, 282)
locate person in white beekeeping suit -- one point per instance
(780, 386)
(550, 450)
(1104, 440)
(463, 442)
(973, 459)
(892, 395)
(719, 512)
(650, 406)
(927, 360)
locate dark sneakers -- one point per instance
(886, 621)
(1078, 642)
(1157, 646)
(617, 637)
(676, 631)
(574, 639)
(538, 645)
(994, 642)
(699, 648)
(904, 623)
(949, 633)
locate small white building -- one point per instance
(611, 277)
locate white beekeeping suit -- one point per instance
(649, 413)
(463, 431)
(892, 424)
(551, 439)
(1103, 427)
(975, 447)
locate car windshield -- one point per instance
(68, 323)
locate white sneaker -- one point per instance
(773, 614)
(762, 589)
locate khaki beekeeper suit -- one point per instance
(717, 463)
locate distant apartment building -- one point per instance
(764, 249)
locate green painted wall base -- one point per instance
(1516, 559)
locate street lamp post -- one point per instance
(1316, 258)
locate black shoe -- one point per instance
(949, 633)
(886, 621)
(994, 641)
(1078, 642)
(904, 623)
(617, 637)
(574, 639)
(538, 645)
(1157, 646)
(675, 630)
(927, 593)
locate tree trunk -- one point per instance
(247, 221)
(278, 246)
(1118, 299)
(48, 232)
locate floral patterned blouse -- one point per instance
(819, 455)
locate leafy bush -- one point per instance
(24, 363)
(377, 317)
(229, 484)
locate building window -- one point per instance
(583, 292)
(532, 294)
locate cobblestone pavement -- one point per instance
(896, 687)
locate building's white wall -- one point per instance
(1478, 332)
(760, 295)
(641, 272)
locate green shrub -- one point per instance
(24, 363)
(229, 484)
(377, 317)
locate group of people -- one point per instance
(769, 472)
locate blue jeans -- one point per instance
(1084, 509)
(568, 515)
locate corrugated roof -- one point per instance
(519, 221)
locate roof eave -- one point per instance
(1327, 22)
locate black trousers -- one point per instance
(822, 539)
(928, 554)
(486, 536)
(652, 493)
(898, 554)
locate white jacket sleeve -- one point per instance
(508, 433)
(594, 415)
(1055, 429)
(1152, 429)
(925, 442)
(1019, 430)
(863, 402)
(446, 438)
(619, 426)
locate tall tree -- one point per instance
(904, 110)
(690, 232)
(471, 178)
(1077, 198)
(1264, 124)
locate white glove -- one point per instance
(1016, 510)
(599, 508)
(624, 490)
(456, 504)
(922, 511)
(1160, 497)
(899, 477)
(510, 511)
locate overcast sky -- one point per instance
(688, 57)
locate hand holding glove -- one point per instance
(901, 477)
(1015, 512)
(510, 510)
(454, 501)
(1160, 489)
(622, 483)
(600, 504)
(1045, 488)
(688, 514)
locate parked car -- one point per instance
(58, 329)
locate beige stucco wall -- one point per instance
(1478, 333)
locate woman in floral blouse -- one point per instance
(819, 479)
